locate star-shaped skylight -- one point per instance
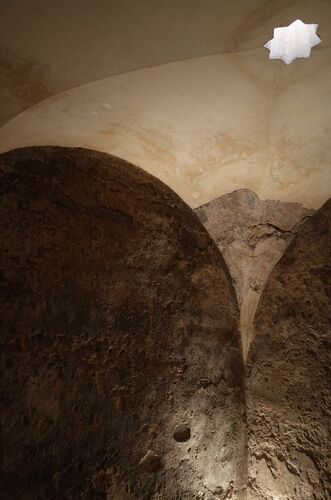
(293, 41)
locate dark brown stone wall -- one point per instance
(288, 372)
(118, 327)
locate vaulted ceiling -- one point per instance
(182, 88)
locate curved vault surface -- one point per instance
(67, 44)
(205, 126)
(119, 322)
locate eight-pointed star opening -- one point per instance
(293, 42)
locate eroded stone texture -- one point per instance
(288, 372)
(118, 322)
(252, 235)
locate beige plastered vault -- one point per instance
(204, 126)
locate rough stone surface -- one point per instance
(151, 462)
(116, 308)
(252, 235)
(288, 372)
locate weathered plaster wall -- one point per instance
(252, 235)
(204, 126)
(121, 370)
(288, 374)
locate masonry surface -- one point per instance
(122, 366)
(119, 324)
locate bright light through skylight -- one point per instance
(293, 42)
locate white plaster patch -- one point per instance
(106, 106)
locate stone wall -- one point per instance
(121, 371)
(288, 372)
(252, 235)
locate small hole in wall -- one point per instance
(293, 42)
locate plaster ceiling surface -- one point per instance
(183, 89)
(205, 126)
(47, 47)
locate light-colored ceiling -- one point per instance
(49, 46)
(222, 117)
